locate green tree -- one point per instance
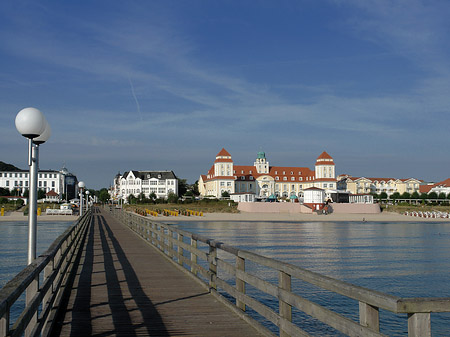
(395, 196)
(103, 195)
(415, 195)
(432, 195)
(131, 199)
(172, 198)
(406, 195)
(4, 192)
(194, 188)
(383, 195)
(441, 195)
(41, 194)
(225, 194)
(152, 196)
(182, 186)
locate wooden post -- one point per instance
(284, 282)
(4, 324)
(180, 249)
(193, 257)
(170, 243)
(32, 290)
(369, 316)
(240, 284)
(419, 324)
(212, 267)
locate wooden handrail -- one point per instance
(56, 263)
(166, 238)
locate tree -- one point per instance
(41, 194)
(395, 196)
(406, 195)
(182, 186)
(4, 191)
(172, 198)
(152, 196)
(103, 195)
(225, 194)
(432, 195)
(383, 195)
(415, 195)
(194, 188)
(131, 199)
(441, 195)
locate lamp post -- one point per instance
(87, 200)
(31, 124)
(81, 186)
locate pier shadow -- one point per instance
(105, 304)
(123, 322)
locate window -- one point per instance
(292, 172)
(292, 178)
(7, 183)
(284, 178)
(228, 183)
(250, 186)
(53, 184)
(276, 172)
(277, 178)
(250, 172)
(324, 185)
(284, 172)
(222, 183)
(251, 177)
(242, 178)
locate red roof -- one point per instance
(223, 153)
(51, 194)
(325, 155)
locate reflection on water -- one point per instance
(403, 259)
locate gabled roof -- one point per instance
(223, 153)
(51, 194)
(145, 175)
(325, 155)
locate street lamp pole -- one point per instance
(81, 187)
(31, 123)
(87, 201)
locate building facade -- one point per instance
(161, 183)
(264, 180)
(48, 180)
(362, 185)
(440, 187)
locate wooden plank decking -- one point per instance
(124, 287)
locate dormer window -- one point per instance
(250, 172)
(293, 179)
(277, 178)
(276, 172)
(292, 172)
(242, 178)
(284, 178)
(284, 172)
(251, 177)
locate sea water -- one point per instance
(14, 249)
(404, 259)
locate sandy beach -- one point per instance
(243, 216)
(18, 216)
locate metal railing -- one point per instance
(171, 242)
(42, 300)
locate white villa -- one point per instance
(48, 181)
(162, 183)
(263, 180)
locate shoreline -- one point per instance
(298, 217)
(246, 216)
(19, 217)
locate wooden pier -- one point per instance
(125, 287)
(115, 273)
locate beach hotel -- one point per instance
(265, 182)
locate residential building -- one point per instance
(440, 187)
(264, 180)
(48, 180)
(161, 183)
(363, 185)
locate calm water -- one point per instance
(14, 249)
(403, 259)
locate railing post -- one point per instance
(180, 249)
(212, 267)
(4, 324)
(284, 282)
(240, 284)
(369, 316)
(419, 324)
(170, 243)
(32, 290)
(193, 257)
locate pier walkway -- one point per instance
(125, 287)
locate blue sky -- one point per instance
(164, 85)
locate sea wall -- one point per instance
(273, 207)
(289, 207)
(356, 208)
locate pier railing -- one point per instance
(43, 282)
(184, 249)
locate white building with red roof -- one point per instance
(264, 180)
(440, 187)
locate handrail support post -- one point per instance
(369, 316)
(285, 309)
(419, 324)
